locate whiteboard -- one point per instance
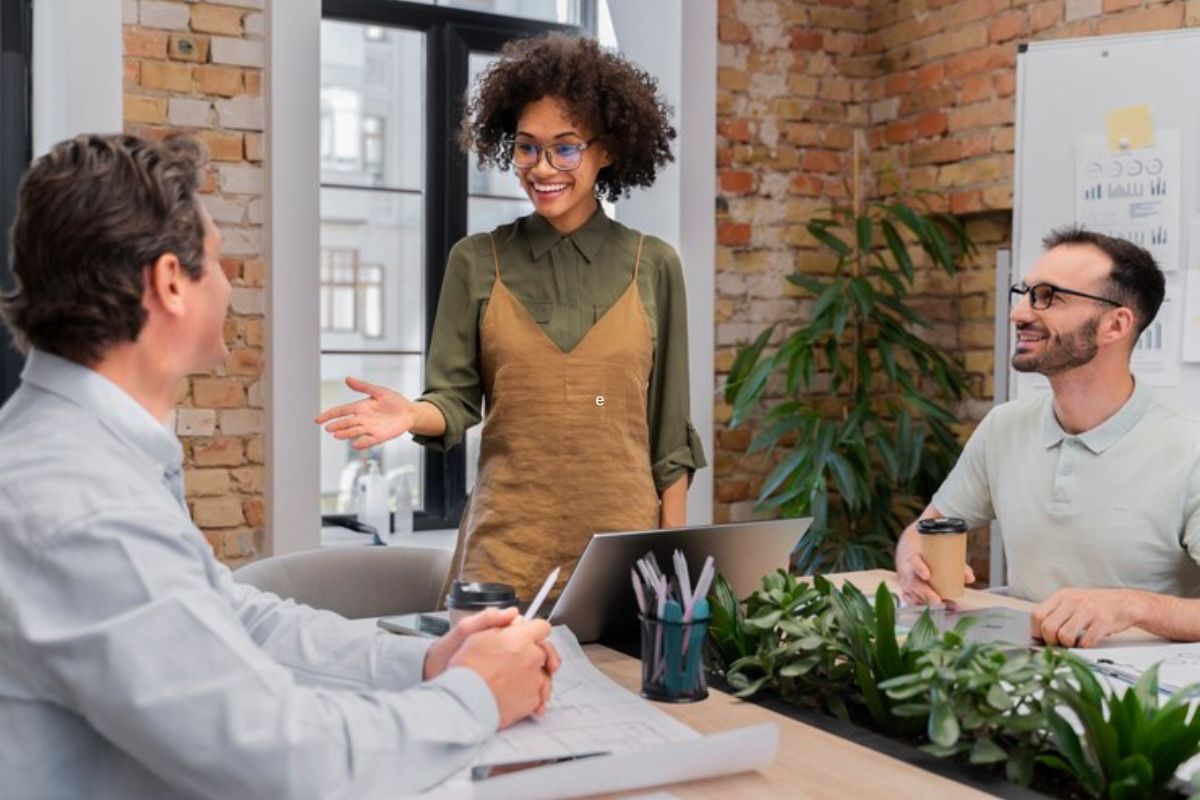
(1065, 92)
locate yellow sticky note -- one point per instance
(1130, 128)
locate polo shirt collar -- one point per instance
(587, 239)
(112, 406)
(1107, 433)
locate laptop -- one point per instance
(598, 604)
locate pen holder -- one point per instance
(673, 659)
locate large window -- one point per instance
(396, 194)
(16, 25)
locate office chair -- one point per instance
(355, 582)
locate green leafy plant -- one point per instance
(1131, 751)
(864, 424)
(982, 700)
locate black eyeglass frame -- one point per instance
(1019, 289)
(511, 142)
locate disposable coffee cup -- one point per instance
(944, 548)
(466, 599)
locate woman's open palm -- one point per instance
(379, 417)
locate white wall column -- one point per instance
(293, 81)
(679, 48)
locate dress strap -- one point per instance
(496, 256)
(636, 260)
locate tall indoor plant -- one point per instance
(864, 420)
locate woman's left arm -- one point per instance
(673, 511)
(675, 450)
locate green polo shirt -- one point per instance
(1115, 506)
(566, 282)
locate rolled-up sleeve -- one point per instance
(135, 637)
(675, 447)
(452, 378)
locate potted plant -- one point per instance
(863, 429)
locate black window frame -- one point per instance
(451, 35)
(16, 150)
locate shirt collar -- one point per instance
(112, 406)
(587, 238)
(1107, 433)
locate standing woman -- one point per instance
(571, 326)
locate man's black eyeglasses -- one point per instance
(1041, 295)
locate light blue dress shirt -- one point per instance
(132, 665)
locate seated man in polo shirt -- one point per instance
(1096, 485)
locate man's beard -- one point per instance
(1062, 351)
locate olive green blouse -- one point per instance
(566, 282)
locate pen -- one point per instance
(531, 612)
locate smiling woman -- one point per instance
(571, 326)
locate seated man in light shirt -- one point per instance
(131, 663)
(1096, 484)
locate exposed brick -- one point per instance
(1045, 14)
(195, 422)
(245, 362)
(821, 161)
(251, 480)
(142, 108)
(981, 115)
(186, 112)
(189, 47)
(163, 14)
(218, 392)
(131, 73)
(168, 76)
(733, 31)
(1157, 18)
(208, 18)
(142, 43)
(223, 512)
(241, 422)
(218, 451)
(737, 181)
(206, 482)
(735, 80)
(932, 123)
(221, 81)
(1008, 25)
(254, 151)
(255, 511)
(253, 80)
(222, 145)
(733, 233)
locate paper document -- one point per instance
(589, 712)
(1179, 664)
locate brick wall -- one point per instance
(930, 85)
(198, 67)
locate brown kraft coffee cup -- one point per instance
(944, 548)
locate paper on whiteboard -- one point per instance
(1156, 356)
(1132, 194)
(1191, 317)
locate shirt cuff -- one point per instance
(686, 458)
(454, 425)
(470, 690)
(402, 664)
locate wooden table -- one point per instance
(811, 763)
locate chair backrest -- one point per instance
(355, 582)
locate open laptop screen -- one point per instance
(598, 605)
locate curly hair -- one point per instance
(617, 102)
(92, 214)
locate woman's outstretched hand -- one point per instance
(379, 417)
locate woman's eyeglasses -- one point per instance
(564, 157)
(1041, 295)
